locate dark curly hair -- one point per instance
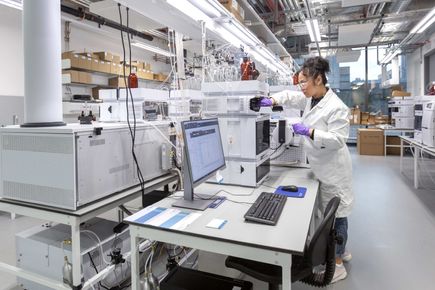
(315, 66)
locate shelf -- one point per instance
(66, 65)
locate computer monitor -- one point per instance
(203, 156)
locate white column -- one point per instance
(42, 63)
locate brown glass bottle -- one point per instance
(132, 79)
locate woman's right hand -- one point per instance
(257, 102)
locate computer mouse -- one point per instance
(291, 188)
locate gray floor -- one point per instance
(392, 231)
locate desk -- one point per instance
(73, 219)
(418, 148)
(269, 244)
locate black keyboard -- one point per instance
(266, 209)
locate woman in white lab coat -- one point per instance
(325, 127)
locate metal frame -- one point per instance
(73, 219)
(225, 245)
(394, 133)
(418, 148)
(221, 247)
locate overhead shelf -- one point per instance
(99, 78)
(185, 17)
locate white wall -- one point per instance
(11, 53)
(81, 39)
(416, 85)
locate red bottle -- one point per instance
(246, 69)
(132, 79)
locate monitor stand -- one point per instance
(188, 200)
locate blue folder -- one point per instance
(300, 193)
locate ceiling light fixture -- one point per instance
(424, 23)
(230, 31)
(313, 29)
(190, 10)
(152, 48)
(389, 56)
(13, 4)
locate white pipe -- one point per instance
(42, 63)
(103, 273)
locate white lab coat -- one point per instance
(328, 154)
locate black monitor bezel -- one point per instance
(186, 148)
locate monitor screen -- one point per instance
(203, 146)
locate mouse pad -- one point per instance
(300, 193)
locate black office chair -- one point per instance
(320, 250)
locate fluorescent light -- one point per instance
(190, 10)
(313, 29)
(152, 48)
(424, 23)
(310, 30)
(389, 56)
(207, 8)
(13, 4)
(241, 34)
(429, 23)
(228, 36)
(316, 30)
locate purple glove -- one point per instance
(301, 129)
(266, 102)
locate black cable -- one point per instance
(127, 91)
(96, 270)
(176, 254)
(269, 186)
(139, 172)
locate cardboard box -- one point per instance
(117, 82)
(74, 75)
(79, 76)
(73, 57)
(121, 70)
(142, 74)
(85, 62)
(393, 140)
(370, 142)
(396, 93)
(104, 55)
(234, 8)
(88, 54)
(85, 78)
(160, 77)
(371, 119)
(105, 66)
(96, 92)
(114, 68)
(355, 116)
(95, 65)
(116, 58)
(380, 120)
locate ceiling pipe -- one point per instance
(300, 14)
(372, 9)
(80, 13)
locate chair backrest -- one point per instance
(317, 250)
